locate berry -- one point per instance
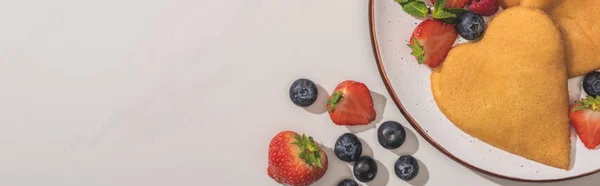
(455, 3)
(431, 41)
(295, 159)
(591, 84)
(365, 169)
(484, 7)
(391, 135)
(406, 167)
(348, 147)
(303, 92)
(585, 118)
(347, 182)
(351, 104)
(470, 26)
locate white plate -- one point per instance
(409, 86)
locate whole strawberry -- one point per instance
(351, 104)
(484, 7)
(585, 118)
(295, 160)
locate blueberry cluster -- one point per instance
(390, 135)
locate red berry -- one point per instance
(484, 7)
(351, 104)
(585, 118)
(295, 159)
(431, 41)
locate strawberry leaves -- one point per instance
(336, 97)
(588, 103)
(414, 7)
(310, 151)
(417, 50)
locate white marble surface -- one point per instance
(184, 92)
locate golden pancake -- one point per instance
(578, 21)
(510, 88)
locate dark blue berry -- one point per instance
(406, 167)
(303, 92)
(591, 84)
(347, 182)
(391, 135)
(470, 26)
(365, 169)
(348, 147)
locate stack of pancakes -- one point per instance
(510, 88)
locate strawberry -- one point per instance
(351, 104)
(295, 160)
(585, 118)
(455, 3)
(484, 7)
(431, 41)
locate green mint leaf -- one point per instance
(439, 5)
(446, 15)
(450, 20)
(443, 14)
(416, 8)
(456, 11)
(402, 2)
(440, 12)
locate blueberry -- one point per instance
(303, 92)
(591, 84)
(365, 169)
(406, 167)
(470, 26)
(347, 182)
(348, 147)
(391, 135)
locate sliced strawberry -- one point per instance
(431, 41)
(455, 3)
(351, 104)
(585, 118)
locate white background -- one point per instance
(185, 92)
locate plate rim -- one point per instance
(417, 127)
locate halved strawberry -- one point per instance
(431, 41)
(455, 3)
(585, 118)
(351, 104)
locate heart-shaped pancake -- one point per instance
(578, 21)
(510, 88)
